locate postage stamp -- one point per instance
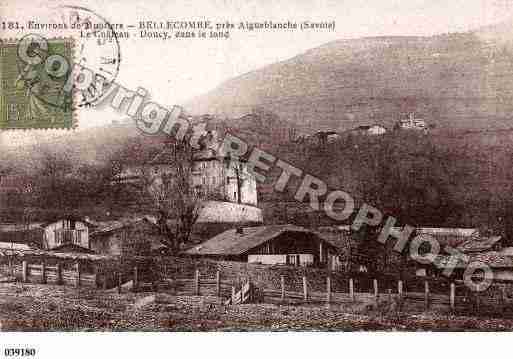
(33, 74)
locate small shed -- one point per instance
(276, 244)
(66, 230)
(126, 237)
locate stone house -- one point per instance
(213, 172)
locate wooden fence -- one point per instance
(53, 274)
(456, 298)
(311, 287)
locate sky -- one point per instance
(174, 71)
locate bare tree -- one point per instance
(174, 196)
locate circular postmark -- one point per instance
(99, 54)
(70, 71)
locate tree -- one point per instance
(173, 195)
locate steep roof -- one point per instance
(232, 243)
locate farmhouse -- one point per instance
(126, 237)
(70, 233)
(275, 244)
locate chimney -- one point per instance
(239, 230)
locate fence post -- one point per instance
(351, 289)
(328, 290)
(24, 272)
(400, 288)
(59, 274)
(96, 283)
(503, 298)
(233, 294)
(104, 284)
(426, 295)
(43, 272)
(452, 296)
(305, 289)
(376, 289)
(77, 268)
(282, 280)
(196, 282)
(136, 279)
(218, 283)
(119, 282)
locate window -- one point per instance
(293, 259)
(13, 113)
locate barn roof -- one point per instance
(15, 246)
(111, 226)
(453, 237)
(71, 247)
(67, 217)
(232, 243)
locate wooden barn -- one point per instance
(127, 237)
(276, 244)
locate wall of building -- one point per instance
(50, 240)
(305, 259)
(218, 175)
(217, 211)
(128, 241)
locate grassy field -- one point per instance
(56, 308)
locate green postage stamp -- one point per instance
(34, 73)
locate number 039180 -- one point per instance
(19, 352)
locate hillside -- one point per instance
(455, 81)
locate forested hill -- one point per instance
(457, 81)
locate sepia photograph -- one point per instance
(229, 166)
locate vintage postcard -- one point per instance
(235, 166)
